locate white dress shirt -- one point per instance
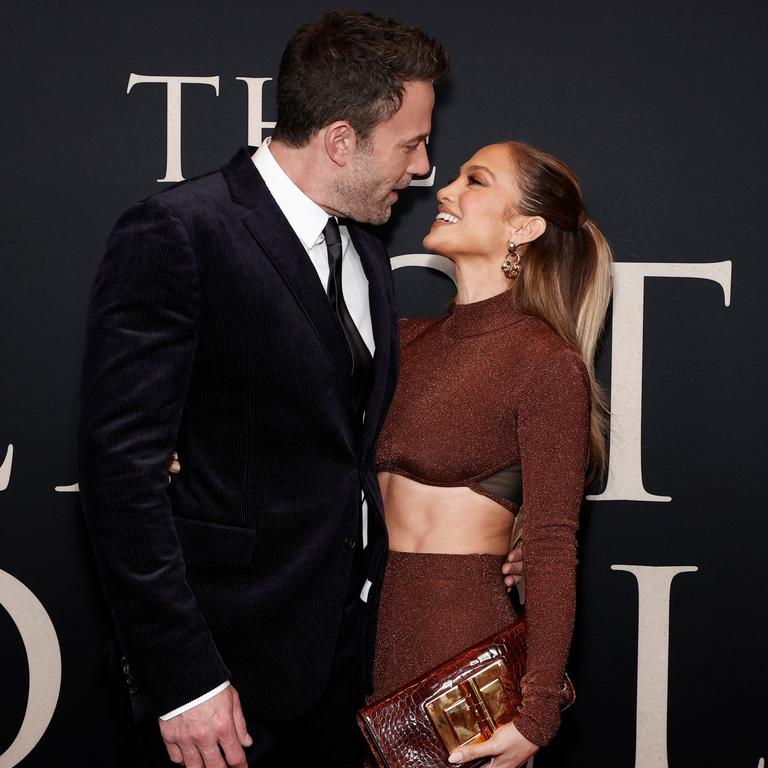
(307, 220)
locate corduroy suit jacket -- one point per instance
(209, 333)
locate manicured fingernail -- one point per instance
(456, 757)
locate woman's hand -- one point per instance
(508, 748)
(173, 467)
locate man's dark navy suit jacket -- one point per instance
(209, 333)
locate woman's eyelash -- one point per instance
(474, 180)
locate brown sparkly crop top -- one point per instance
(483, 394)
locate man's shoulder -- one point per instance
(201, 193)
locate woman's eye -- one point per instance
(473, 180)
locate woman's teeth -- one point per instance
(450, 218)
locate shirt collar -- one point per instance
(306, 217)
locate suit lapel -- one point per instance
(271, 230)
(376, 267)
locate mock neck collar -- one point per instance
(478, 317)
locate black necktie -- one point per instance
(362, 362)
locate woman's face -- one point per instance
(476, 211)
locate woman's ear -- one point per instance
(339, 140)
(528, 230)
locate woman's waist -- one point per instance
(443, 520)
(464, 568)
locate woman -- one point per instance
(496, 403)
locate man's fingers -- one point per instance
(516, 555)
(212, 756)
(174, 753)
(233, 751)
(190, 755)
(512, 569)
(239, 718)
(474, 752)
(197, 736)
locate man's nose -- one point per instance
(420, 165)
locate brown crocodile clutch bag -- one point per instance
(462, 701)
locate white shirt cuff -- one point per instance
(198, 700)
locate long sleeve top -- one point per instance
(482, 390)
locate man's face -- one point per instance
(394, 153)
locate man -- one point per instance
(222, 325)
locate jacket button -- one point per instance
(350, 543)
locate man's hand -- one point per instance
(513, 572)
(196, 738)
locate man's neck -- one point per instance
(304, 166)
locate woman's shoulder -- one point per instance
(412, 327)
(549, 355)
(545, 340)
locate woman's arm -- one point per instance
(553, 433)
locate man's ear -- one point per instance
(528, 230)
(339, 140)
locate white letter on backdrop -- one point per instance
(256, 122)
(5, 468)
(44, 660)
(173, 130)
(625, 474)
(654, 584)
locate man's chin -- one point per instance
(376, 218)
(383, 217)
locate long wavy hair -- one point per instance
(566, 274)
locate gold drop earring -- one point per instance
(511, 269)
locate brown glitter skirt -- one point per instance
(433, 607)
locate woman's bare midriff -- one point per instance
(428, 518)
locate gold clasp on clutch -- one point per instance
(472, 710)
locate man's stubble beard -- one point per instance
(357, 194)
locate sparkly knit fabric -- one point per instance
(483, 389)
(472, 603)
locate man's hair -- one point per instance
(350, 66)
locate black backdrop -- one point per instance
(658, 107)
